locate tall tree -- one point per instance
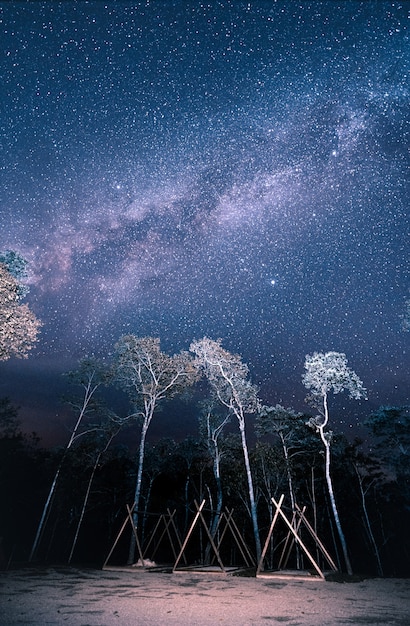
(149, 376)
(369, 476)
(9, 424)
(157, 460)
(22, 464)
(228, 378)
(19, 327)
(211, 426)
(390, 425)
(104, 438)
(17, 266)
(289, 428)
(192, 460)
(325, 373)
(90, 375)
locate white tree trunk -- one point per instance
(137, 493)
(329, 483)
(251, 491)
(44, 514)
(89, 392)
(87, 495)
(368, 524)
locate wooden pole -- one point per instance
(300, 542)
(199, 509)
(265, 547)
(117, 539)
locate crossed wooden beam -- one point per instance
(225, 522)
(293, 536)
(168, 522)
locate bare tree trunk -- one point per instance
(314, 506)
(219, 494)
(368, 525)
(334, 538)
(89, 390)
(85, 502)
(291, 493)
(144, 429)
(219, 501)
(87, 494)
(147, 500)
(335, 511)
(251, 491)
(186, 493)
(44, 515)
(288, 472)
(326, 443)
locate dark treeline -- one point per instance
(88, 483)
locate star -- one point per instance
(192, 164)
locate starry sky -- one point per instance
(235, 169)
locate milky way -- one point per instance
(229, 169)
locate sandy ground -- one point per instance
(87, 597)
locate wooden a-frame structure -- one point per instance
(165, 527)
(294, 526)
(168, 523)
(225, 523)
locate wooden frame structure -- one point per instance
(293, 537)
(225, 523)
(168, 523)
(165, 520)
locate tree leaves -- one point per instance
(329, 372)
(19, 327)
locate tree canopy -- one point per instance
(19, 327)
(326, 372)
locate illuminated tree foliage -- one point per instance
(326, 373)
(19, 327)
(17, 266)
(228, 378)
(149, 376)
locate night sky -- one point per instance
(231, 169)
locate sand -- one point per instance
(87, 597)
